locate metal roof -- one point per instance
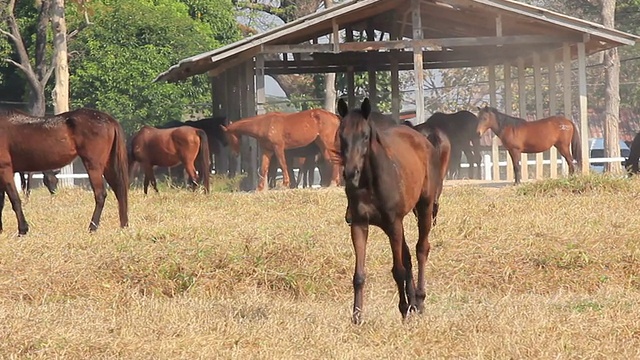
(453, 18)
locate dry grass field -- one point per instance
(545, 270)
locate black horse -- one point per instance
(460, 128)
(631, 164)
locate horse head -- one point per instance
(231, 139)
(488, 119)
(355, 134)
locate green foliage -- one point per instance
(121, 54)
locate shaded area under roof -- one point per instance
(448, 19)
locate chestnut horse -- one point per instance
(388, 173)
(170, 147)
(631, 164)
(461, 129)
(520, 136)
(37, 143)
(277, 132)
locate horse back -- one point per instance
(415, 158)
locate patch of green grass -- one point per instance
(577, 184)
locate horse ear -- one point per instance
(365, 108)
(343, 108)
(479, 109)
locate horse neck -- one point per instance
(250, 127)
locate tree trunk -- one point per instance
(330, 78)
(612, 92)
(60, 92)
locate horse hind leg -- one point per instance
(99, 195)
(425, 218)
(566, 154)
(402, 268)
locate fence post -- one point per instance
(486, 162)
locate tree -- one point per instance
(38, 78)
(612, 92)
(116, 58)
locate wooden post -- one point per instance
(395, 76)
(522, 94)
(351, 80)
(234, 114)
(416, 21)
(245, 142)
(495, 155)
(261, 100)
(373, 88)
(219, 102)
(537, 84)
(250, 103)
(553, 108)
(508, 109)
(568, 108)
(584, 116)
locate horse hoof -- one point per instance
(356, 318)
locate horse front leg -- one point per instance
(359, 235)
(515, 157)
(6, 178)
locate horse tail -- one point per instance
(120, 169)
(576, 146)
(442, 145)
(205, 158)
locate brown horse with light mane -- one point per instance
(170, 147)
(388, 173)
(277, 132)
(38, 143)
(520, 136)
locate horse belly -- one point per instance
(51, 153)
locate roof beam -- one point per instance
(410, 44)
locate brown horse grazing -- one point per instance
(631, 164)
(461, 129)
(520, 136)
(277, 132)
(32, 143)
(388, 173)
(170, 147)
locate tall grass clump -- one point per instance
(579, 184)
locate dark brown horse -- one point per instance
(32, 143)
(520, 136)
(303, 158)
(631, 164)
(277, 132)
(49, 180)
(388, 173)
(170, 147)
(461, 129)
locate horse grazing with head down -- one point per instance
(388, 173)
(170, 147)
(37, 143)
(461, 130)
(276, 132)
(520, 136)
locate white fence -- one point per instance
(486, 165)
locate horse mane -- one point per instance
(505, 120)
